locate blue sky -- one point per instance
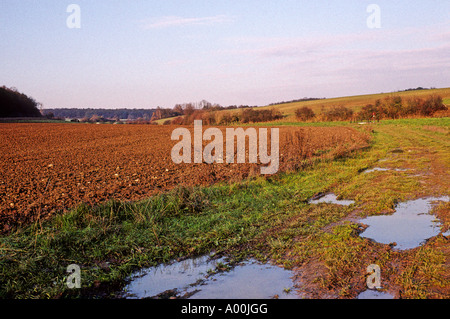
(143, 54)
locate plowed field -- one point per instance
(49, 168)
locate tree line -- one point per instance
(137, 115)
(16, 104)
(298, 100)
(90, 113)
(221, 117)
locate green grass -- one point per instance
(128, 236)
(268, 218)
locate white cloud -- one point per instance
(174, 21)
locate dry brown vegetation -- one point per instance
(390, 107)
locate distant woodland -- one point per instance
(16, 104)
(136, 115)
(89, 113)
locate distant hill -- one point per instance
(16, 104)
(74, 113)
(357, 102)
(298, 100)
(354, 107)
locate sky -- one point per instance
(144, 54)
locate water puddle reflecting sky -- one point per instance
(409, 227)
(194, 278)
(374, 294)
(249, 280)
(176, 275)
(381, 169)
(331, 199)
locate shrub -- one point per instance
(250, 115)
(223, 118)
(304, 113)
(368, 113)
(431, 105)
(177, 121)
(338, 113)
(209, 118)
(393, 107)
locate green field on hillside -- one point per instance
(359, 101)
(356, 103)
(267, 218)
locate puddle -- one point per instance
(331, 199)
(374, 294)
(409, 227)
(251, 280)
(380, 169)
(177, 275)
(190, 279)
